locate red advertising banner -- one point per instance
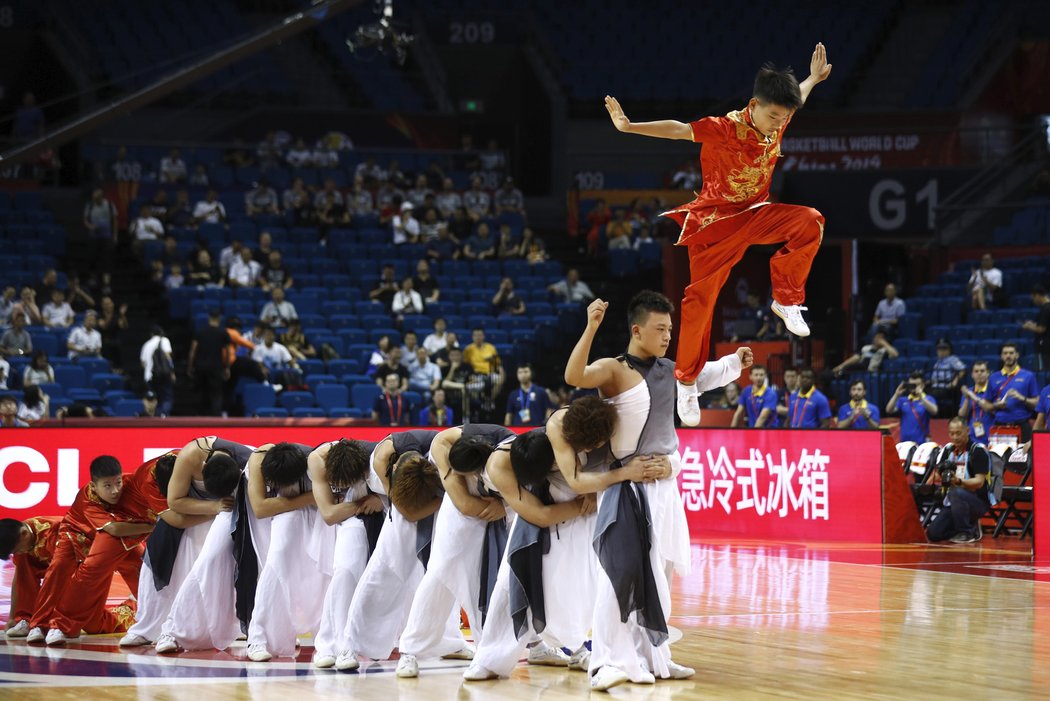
(1041, 496)
(783, 485)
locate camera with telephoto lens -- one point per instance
(947, 475)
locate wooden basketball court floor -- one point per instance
(757, 620)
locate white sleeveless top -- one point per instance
(632, 409)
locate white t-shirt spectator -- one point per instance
(404, 229)
(448, 202)
(434, 343)
(84, 343)
(993, 276)
(278, 314)
(273, 357)
(887, 310)
(577, 292)
(407, 303)
(57, 315)
(244, 274)
(477, 202)
(147, 229)
(325, 158)
(373, 171)
(146, 354)
(172, 169)
(5, 369)
(210, 212)
(299, 158)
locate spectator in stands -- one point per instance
(9, 413)
(360, 199)
(237, 156)
(438, 413)
(236, 356)
(871, 355)
(203, 272)
(85, 341)
(423, 376)
(329, 193)
(199, 176)
(480, 246)
(457, 374)
(571, 289)
(460, 225)
(170, 254)
(1040, 326)
(79, 298)
(508, 246)
(158, 369)
(532, 248)
(946, 377)
(324, 156)
(405, 226)
(296, 342)
(426, 284)
(492, 158)
(299, 155)
(435, 175)
(757, 407)
(112, 323)
(48, 284)
(159, 205)
(446, 247)
(418, 193)
(388, 199)
(1016, 392)
(172, 168)
(508, 199)
(644, 237)
(180, 213)
(57, 313)
(268, 151)
(687, 177)
(618, 231)
(528, 405)
(278, 311)
(174, 279)
(859, 413)
(978, 403)
(296, 201)
(156, 274)
(209, 210)
(438, 338)
(385, 288)
(145, 228)
(369, 172)
(35, 406)
(476, 201)
(966, 500)
(888, 313)
(100, 218)
(598, 219)
(380, 354)
(39, 370)
(985, 284)
(150, 406)
(280, 368)
(391, 408)
(756, 321)
(16, 340)
(406, 300)
(728, 398)
(5, 371)
(275, 273)
(27, 307)
(807, 405)
(227, 256)
(265, 247)
(395, 176)
(244, 270)
(7, 305)
(506, 301)
(431, 226)
(408, 349)
(392, 365)
(448, 200)
(261, 199)
(485, 361)
(914, 406)
(442, 356)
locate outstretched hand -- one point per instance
(619, 119)
(819, 68)
(596, 312)
(747, 357)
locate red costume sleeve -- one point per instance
(141, 500)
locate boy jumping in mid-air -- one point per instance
(733, 211)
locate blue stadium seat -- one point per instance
(364, 396)
(107, 382)
(345, 412)
(292, 400)
(329, 396)
(256, 396)
(71, 377)
(309, 412)
(127, 407)
(271, 412)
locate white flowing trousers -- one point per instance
(348, 565)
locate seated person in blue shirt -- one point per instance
(1014, 388)
(1042, 407)
(758, 401)
(807, 406)
(978, 403)
(480, 246)
(915, 408)
(859, 413)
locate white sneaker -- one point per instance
(347, 661)
(465, 653)
(548, 656)
(407, 667)
(323, 660)
(477, 673)
(688, 404)
(607, 677)
(133, 640)
(55, 637)
(257, 652)
(37, 635)
(580, 660)
(792, 316)
(679, 671)
(166, 644)
(644, 676)
(19, 630)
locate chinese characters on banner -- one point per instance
(782, 484)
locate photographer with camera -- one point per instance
(962, 471)
(915, 408)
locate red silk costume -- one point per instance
(731, 213)
(30, 567)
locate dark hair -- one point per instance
(644, 303)
(162, 471)
(803, 371)
(858, 382)
(917, 375)
(415, 482)
(284, 464)
(469, 454)
(531, 457)
(32, 395)
(778, 87)
(221, 474)
(104, 466)
(980, 362)
(346, 463)
(1008, 344)
(760, 366)
(588, 422)
(10, 532)
(957, 419)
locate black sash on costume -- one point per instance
(424, 537)
(491, 555)
(526, 548)
(246, 567)
(373, 526)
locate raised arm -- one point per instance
(819, 70)
(663, 129)
(577, 372)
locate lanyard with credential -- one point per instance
(918, 418)
(390, 407)
(795, 415)
(523, 403)
(754, 406)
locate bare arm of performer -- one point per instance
(663, 129)
(262, 505)
(525, 504)
(177, 520)
(455, 486)
(738, 417)
(637, 470)
(190, 461)
(382, 457)
(330, 511)
(601, 373)
(819, 70)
